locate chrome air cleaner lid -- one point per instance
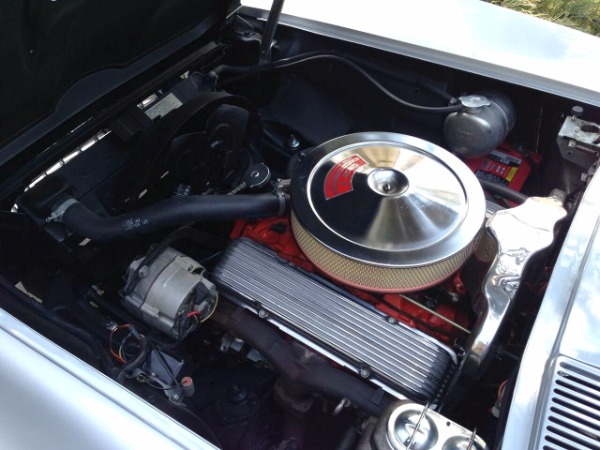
(385, 211)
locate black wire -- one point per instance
(160, 388)
(361, 62)
(301, 59)
(123, 346)
(209, 258)
(135, 362)
(244, 69)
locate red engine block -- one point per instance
(276, 234)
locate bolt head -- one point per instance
(576, 111)
(364, 372)
(144, 271)
(293, 143)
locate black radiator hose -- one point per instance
(299, 366)
(166, 213)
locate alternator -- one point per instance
(172, 293)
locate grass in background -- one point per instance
(583, 15)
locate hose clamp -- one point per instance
(59, 211)
(282, 189)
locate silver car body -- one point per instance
(52, 400)
(70, 405)
(469, 35)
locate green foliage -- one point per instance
(583, 15)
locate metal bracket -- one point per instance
(579, 141)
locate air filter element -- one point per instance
(385, 212)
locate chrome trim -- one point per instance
(567, 323)
(520, 233)
(52, 400)
(435, 207)
(410, 426)
(572, 415)
(385, 211)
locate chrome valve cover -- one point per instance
(402, 360)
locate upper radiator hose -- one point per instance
(174, 211)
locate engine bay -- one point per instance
(339, 248)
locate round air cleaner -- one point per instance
(385, 212)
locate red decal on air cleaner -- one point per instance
(339, 178)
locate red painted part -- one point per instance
(276, 234)
(504, 166)
(456, 285)
(444, 331)
(418, 317)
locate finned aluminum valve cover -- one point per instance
(385, 212)
(398, 358)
